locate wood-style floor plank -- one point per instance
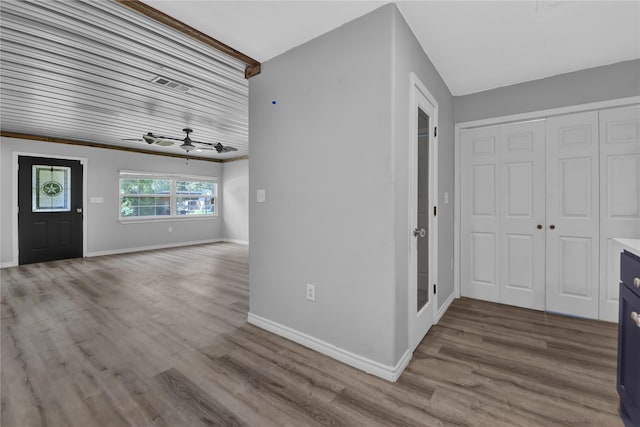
(160, 338)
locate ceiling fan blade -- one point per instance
(164, 142)
(132, 139)
(203, 143)
(224, 148)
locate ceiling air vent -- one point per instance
(171, 84)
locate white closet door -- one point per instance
(479, 213)
(620, 190)
(522, 211)
(572, 265)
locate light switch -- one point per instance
(446, 198)
(261, 196)
(96, 199)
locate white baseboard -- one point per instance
(8, 264)
(144, 248)
(152, 247)
(387, 372)
(240, 242)
(445, 307)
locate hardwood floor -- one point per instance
(160, 338)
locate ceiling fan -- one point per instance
(187, 143)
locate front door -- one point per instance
(49, 209)
(423, 248)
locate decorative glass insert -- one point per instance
(51, 188)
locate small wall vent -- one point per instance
(171, 84)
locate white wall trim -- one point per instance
(494, 121)
(144, 248)
(14, 198)
(152, 247)
(613, 103)
(238, 241)
(445, 307)
(387, 372)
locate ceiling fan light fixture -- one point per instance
(187, 147)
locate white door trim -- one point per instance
(416, 87)
(494, 121)
(14, 198)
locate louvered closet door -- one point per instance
(522, 195)
(620, 189)
(572, 238)
(479, 213)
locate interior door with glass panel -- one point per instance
(423, 234)
(49, 209)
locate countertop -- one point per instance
(631, 245)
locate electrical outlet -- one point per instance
(311, 292)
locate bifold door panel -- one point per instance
(620, 205)
(503, 204)
(521, 201)
(573, 212)
(540, 203)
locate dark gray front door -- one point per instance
(49, 209)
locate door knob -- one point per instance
(636, 318)
(553, 227)
(78, 210)
(539, 227)
(419, 232)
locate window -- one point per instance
(161, 196)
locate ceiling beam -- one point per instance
(253, 66)
(5, 134)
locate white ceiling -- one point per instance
(475, 45)
(82, 70)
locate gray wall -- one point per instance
(322, 153)
(235, 200)
(104, 232)
(613, 81)
(332, 155)
(410, 57)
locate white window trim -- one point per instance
(173, 197)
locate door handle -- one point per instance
(78, 210)
(636, 318)
(419, 232)
(553, 227)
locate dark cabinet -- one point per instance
(629, 340)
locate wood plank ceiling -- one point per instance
(84, 70)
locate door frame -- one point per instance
(416, 89)
(14, 197)
(500, 120)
